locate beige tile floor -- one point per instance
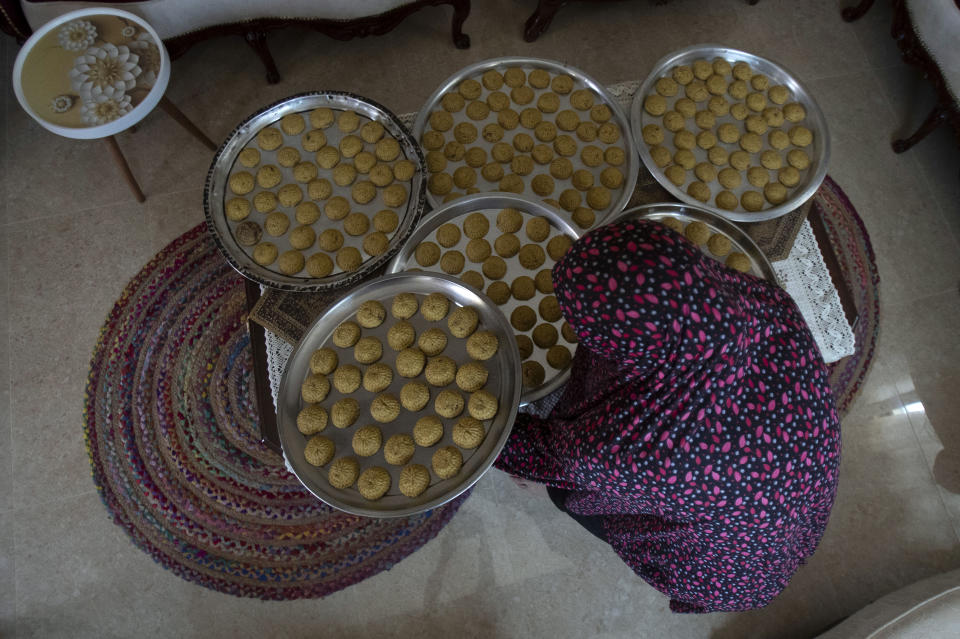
(509, 564)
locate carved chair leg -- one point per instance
(540, 20)
(185, 122)
(855, 13)
(258, 42)
(938, 115)
(461, 9)
(125, 168)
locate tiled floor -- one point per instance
(509, 564)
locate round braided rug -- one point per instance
(170, 425)
(851, 245)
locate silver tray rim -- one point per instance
(553, 65)
(704, 214)
(215, 185)
(289, 392)
(814, 113)
(469, 204)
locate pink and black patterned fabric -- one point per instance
(698, 434)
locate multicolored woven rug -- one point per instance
(171, 430)
(170, 424)
(851, 245)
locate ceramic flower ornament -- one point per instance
(77, 35)
(149, 62)
(106, 106)
(105, 66)
(61, 103)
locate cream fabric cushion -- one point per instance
(927, 609)
(175, 17)
(937, 24)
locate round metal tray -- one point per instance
(619, 198)
(504, 382)
(819, 151)
(216, 190)
(760, 265)
(491, 204)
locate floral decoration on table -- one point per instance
(111, 65)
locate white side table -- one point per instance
(93, 73)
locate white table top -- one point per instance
(68, 106)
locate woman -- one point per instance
(697, 435)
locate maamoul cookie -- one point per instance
(414, 396)
(269, 139)
(440, 371)
(739, 261)
(434, 307)
(410, 362)
(401, 335)
(250, 157)
(482, 345)
(373, 483)
(751, 201)
(344, 412)
(719, 244)
(343, 472)
(302, 237)
(367, 440)
(545, 335)
(558, 357)
(238, 208)
(524, 345)
(447, 462)
(346, 379)
(319, 450)
(385, 408)
(532, 374)
(346, 334)
(414, 479)
(324, 361)
(368, 350)
(276, 224)
(432, 341)
(330, 240)
(522, 318)
(315, 388)
(468, 432)
(482, 405)
(428, 431)
(697, 232)
(448, 403)
(377, 378)
(471, 376)
(312, 419)
(463, 321)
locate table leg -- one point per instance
(185, 122)
(269, 434)
(850, 14)
(937, 115)
(125, 168)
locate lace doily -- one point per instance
(803, 275)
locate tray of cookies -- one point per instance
(400, 396)
(534, 127)
(505, 245)
(314, 191)
(713, 235)
(732, 132)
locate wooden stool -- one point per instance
(94, 73)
